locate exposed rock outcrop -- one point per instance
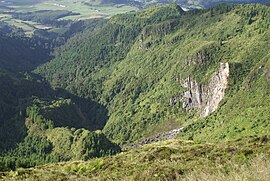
(216, 90)
(202, 98)
(161, 137)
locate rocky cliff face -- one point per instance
(204, 98)
(216, 89)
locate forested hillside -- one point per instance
(39, 124)
(210, 3)
(55, 16)
(20, 53)
(133, 76)
(162, 68)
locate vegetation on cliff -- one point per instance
(136, 63)
(133, 76)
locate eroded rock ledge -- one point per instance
(204, 98)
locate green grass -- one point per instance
(28, 26)
(76, 7)
(134, 75)
(85, 12)
(246, 158)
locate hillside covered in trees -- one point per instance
(140, 65)
(121, 80)
(39, 124)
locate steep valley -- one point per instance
(173, 69)
(199, 79)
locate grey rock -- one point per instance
(204, 98)
(216, 90)
(160, 137)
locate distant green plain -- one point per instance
(86, 10)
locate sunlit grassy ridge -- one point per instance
(246, 158)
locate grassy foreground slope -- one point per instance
(136, 64)
(243, 159)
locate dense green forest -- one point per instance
(189, 4)
(73, 94)
(39, 124)
(49, 17)
(19, 53)
(211, 3)
(137, 62)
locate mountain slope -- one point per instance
(211, 3)
(39, 124)
(244, 159)
(162, 68)
(21, 54)
(249, 115)
(136, 75)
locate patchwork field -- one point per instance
(86, 10)
(80, 10)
